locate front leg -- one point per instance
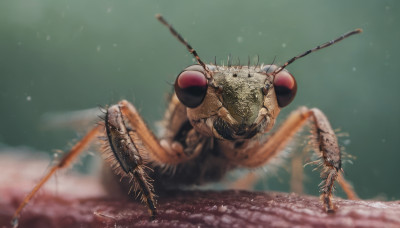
(326, 146)
(165, 151)
(130, 146)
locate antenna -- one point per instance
(327, 44)
(183, 41)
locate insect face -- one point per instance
(238, 102)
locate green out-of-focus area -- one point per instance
(62, 56)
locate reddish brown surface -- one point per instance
(81, 202)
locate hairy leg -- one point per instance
(165, 152)
(326, 146)
(131, 145)
(247, 181)
(297, 176)
(122, 152)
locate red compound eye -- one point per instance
(191, 88)
(285, 88)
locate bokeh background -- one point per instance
(62, 56)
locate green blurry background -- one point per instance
(59, 56)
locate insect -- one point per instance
(211, 126)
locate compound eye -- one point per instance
(285, 88)
(191, 88)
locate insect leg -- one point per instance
(247, 181)
(131, 142)
(122, 151)
(347, 188)
(297, 174)
(163, 152)
(327, 147)
(65, 162)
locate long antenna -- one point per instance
(183, 41)
(327, 44)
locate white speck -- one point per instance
(98, 48)
(350, 162)
(387, 7)
(284, 45)
(383, 140)
(28, 98)
(115, 45)
(259, 33)
(347, 142)
(222, 208)
(109, 10)
(48, 37)
(239, 39)
(354, 68)
(194, 60)
(55, 155)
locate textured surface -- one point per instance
(204, 209)
(80, 202)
